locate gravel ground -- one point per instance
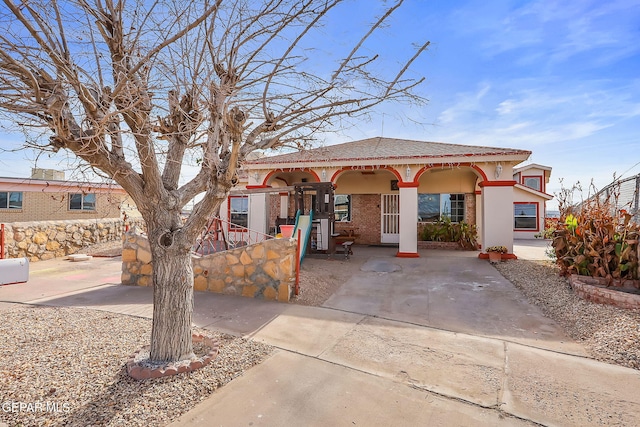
(609, 334)
(73, 360)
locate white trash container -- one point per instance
(14, 270)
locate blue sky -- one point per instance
(559, 78)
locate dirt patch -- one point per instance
(321, 277)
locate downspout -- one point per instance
(1, 241)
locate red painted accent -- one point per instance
(407, 255)
(478, 192)
(465, 164)
(282, 193)
(251, 187)
(484, 255)
(273, 172)
(2, 241)
(408, 184)
(334, 177)
(497, 183)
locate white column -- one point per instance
(479, 220)
(284, 205)
(408, 221)
(258, 212)
(497, 215)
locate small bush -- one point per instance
(443, 230)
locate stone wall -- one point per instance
(264, 270)
(43, 240)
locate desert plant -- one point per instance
(596, 239)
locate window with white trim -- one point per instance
(10, 199)
(525, 216)
(82, 201)
(238, 211)
(433, 206)
(534, 182)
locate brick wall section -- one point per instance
(43, 240)
(470, 208)
(365, 215)
(274, 211)
(450, 246)
(41, 206)
(264, 270)
(594, 289)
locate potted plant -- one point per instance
(495, 253)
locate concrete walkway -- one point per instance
(438, 340)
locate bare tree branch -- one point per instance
(137, 88)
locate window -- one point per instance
(432, 207)
(534, 182)
(342, 207)
(10, 199)
(525, 216)
(239, 211)
(82, 202)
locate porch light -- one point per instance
(498, 170)
(324, 175)
(408, 173)
(256, 176)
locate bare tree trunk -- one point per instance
(172, 302)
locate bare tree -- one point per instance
(138, 89)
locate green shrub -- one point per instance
(443, 230)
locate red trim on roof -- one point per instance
(273, 172)
(465, 164)
(497, 183)
(334, 177)
(251, 187)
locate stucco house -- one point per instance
(384, 187)
(47, 196)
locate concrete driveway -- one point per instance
(448, 290)
(438, 340)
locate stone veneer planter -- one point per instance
(595, 289)
(263, 270)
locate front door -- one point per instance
(390, 230)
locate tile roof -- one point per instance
(387, 148)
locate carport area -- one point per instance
(449, 290)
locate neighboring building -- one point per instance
(384, 187)
(529, 200)
(47, 196)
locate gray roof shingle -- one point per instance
(387, 148)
